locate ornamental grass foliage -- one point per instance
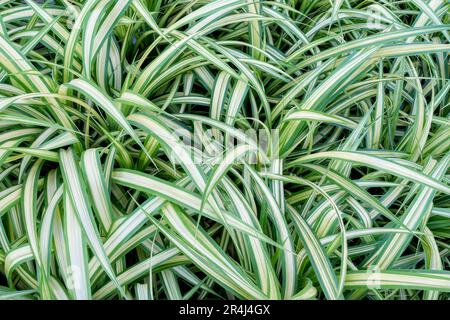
(224, 149)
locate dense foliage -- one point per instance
(178, 149)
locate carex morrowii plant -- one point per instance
(174, 149)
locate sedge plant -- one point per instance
(225, 149)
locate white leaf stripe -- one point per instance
(73, 182)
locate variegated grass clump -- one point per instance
(103, 195)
